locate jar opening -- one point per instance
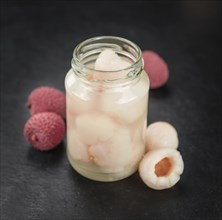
(87, 52)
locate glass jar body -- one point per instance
(105, 125)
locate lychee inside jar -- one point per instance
(106, 94)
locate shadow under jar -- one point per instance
(106, 110)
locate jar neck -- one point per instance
(86, 53)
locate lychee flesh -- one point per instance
(129, 104)
(161, 168)
(108, 60)
(156, 68)
(115, 154)
(77, 149)
(112, 66)
(44, 131)
(161, 134)
(94, 127)
(47, 99)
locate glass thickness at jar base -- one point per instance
(100, 176)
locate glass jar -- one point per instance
(106, 110)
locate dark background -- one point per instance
(37, 41)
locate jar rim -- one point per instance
(94, 39)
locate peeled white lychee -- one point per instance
(85, 128)
(108, 60)
(109, 66)
(141, 88)
(81, 104)
(161, 168)
(161, 135)
(138, 152)
(115, 154)
(93, 128)
(126, 113)
(131, 112)
(77, 149)
(137, 130)
(79, 97)
(105, 127)
(129, 104)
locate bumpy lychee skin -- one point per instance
(44, 131)
(156, 68)
(47, 99)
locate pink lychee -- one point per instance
(47, 99)
(156, 69)
(44, 131)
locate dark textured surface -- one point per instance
(37, 41)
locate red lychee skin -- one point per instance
(47, 99)
(44, 131)
(156, 68)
